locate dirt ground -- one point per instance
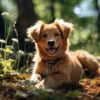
(12, 88)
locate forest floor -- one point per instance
(11, 88)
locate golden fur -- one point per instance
(55, 65)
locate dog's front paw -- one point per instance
(40, 85)
(35, 78)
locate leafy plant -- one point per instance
(6, 51)
(6, 64)
(10, 54)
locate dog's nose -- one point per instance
(51, 43)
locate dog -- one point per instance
(54, 64)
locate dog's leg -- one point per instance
(88, 61)
(38, 70)
(35, 78)
(53, 81)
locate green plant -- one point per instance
(6, 62)
(7, 51)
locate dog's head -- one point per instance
(51, 39)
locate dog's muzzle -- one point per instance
(51, 48)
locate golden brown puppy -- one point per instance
(54, 63)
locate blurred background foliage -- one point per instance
(84, 14)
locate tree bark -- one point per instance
(52, 8)
(98, 18)
(1, 25)
(26, 18)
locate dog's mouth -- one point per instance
(52, 51)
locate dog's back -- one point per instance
(88, 61)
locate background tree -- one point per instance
(96, 4)
(26, 18)
(52, 8)
(1, 24)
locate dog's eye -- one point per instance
(44, 36)
(56, 34)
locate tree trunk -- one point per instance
(98, 18)
(26, 18)
(52, 8)
(1, 25)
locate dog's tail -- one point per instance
(88, 61)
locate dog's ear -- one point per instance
(64, 27)
(35, 31)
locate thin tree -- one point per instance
(52, 8)
(1, 24)
(98, 17)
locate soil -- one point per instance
(12, 88)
